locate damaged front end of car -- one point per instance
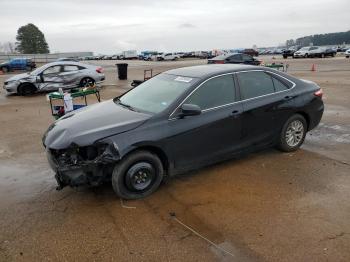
(87, 165)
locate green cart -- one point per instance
(58, 110)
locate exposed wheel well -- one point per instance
(155, 150)
(306, 116)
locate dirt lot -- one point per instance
(267, 206)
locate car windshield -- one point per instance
(37, 71)
(157, 93)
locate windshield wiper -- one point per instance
(125, 105)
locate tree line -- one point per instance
(339, 38)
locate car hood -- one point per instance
(85, 126)
(19, 76)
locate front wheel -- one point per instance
(138, 175)
(293, 133)
(26, 89)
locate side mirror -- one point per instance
(190, 110)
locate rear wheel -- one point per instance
(138, 175)
(5, 70)
(26, 89)
(87, 82)
(323, 55)
(293, 133)
(306, 55)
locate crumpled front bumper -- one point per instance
(11, 86)
(84, 172)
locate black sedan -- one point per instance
(181, 120)
(234, 58)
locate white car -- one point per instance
(347, 53)
(168, 57)
(305, 51)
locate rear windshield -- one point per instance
(157, 93)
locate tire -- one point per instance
(292, 134)
(306, 55)
(285, 57)
(26, 89)
(86, 82)
(347, 56)
(138, 175)
(5, 70)
(323, 56)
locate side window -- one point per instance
(247, 58)
(52, 70)
(255, 83)
(279, 86)
(235, 58)
(215, 92)
(70, 68)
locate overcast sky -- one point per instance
(110, 26)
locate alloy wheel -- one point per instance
(295, 133)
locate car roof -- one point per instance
(204, 71)
(67, 63)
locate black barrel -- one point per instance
(122, 71)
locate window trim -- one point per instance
(61, 68)
(234, 90)
(266, 72)
(64, 66)
(234, 75)
(208, 109)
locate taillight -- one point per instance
(319, 93)
(99, 70)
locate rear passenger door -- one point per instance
(261, 105)
(71, 76)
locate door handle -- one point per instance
(288, 97)
(236, 113)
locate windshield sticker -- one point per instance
(183, 79)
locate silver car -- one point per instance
(52, 76)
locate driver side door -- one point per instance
(212, 135)
(51, 78)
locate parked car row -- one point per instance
(314, 51)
